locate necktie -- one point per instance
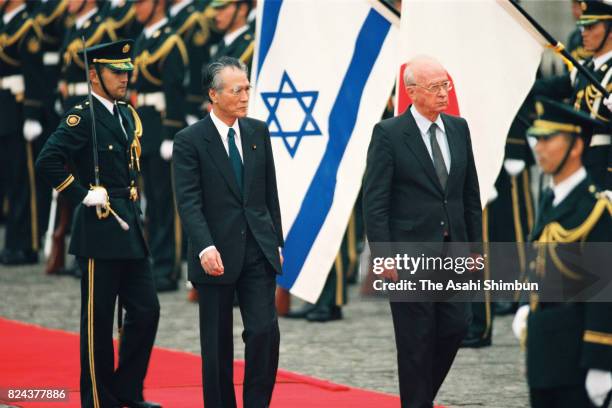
(438, 159)
(116, 114)
(234, 156)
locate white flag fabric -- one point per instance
(491, 53)
(322, 73)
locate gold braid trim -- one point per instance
(592, 93)
(76, 45)
(135, 148)
(591, 336)
(248, 53)
(119, 24)
(558, 49)
(7, 41)
(554, 233)
(44, 21)
(145, 58)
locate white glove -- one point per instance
(31, 129)
(608, 103)
(493, 195)
(514, 166)
(191, 119)
(519, 324)
(96, 197)
(598, 385)
(165, 150)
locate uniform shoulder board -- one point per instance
(79, 107)
(122, 102)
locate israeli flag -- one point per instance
(322, 74)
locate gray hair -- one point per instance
(417, 62)
(211, 78)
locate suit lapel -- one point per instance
(248, 157)
(415, 143)
(219, 156)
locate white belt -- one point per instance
(51, 58)
(154, 99)
(13, 83)
(600, 140)
(78, 88)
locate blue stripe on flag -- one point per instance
(319, 197)
(268, 28)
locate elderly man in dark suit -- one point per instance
(421, 186)
(228, 203)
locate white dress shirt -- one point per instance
(229, 38)
(424, 124)
(177, 7)
(9, 16)
(81, 20)
(150, 30)
(599, 61)
(565, 187)
(223, 130)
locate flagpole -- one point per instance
(559, 48)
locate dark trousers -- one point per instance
(102, 281)
(562, 397)
(255, 289)
(427, 337)
(163, 226)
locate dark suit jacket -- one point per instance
(403, 199)
(211, 207)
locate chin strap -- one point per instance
(567, 153)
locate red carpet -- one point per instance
(35, 357)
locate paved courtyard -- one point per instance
(358, 350)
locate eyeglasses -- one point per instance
(237, 90)
(436, 88)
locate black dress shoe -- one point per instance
(301, 312)
(19, 257)
(476, 341)
(140, 404)
(324, 314)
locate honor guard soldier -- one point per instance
(90, 22)
(21, 99)
(569, 344)
(189, 19)
(596, 25)
(238, 39)
(101, 137)
(158, 79)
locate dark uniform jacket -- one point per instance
(118, 163)
(160, 65)
(212, 208)
(241, 48)
(193, 26)
(96, 31)
(584, 96)
(20, 54)
(564, 340)
(123, 21)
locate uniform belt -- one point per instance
(154, 99)
(130, 193)
(51, 58)
(78, 89)
(600, 140)
(13, 83)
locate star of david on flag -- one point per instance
(321, 91)
(292, 106)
